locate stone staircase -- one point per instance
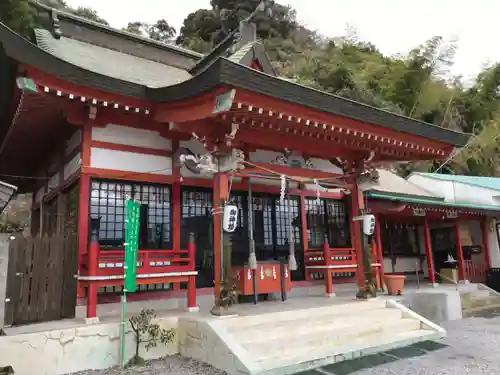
(481, 300)
(288, 342)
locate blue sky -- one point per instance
(394, 26)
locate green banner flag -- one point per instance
(132, 222)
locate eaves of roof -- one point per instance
(224, 71)
(430, 201)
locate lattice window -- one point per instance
(327, 217)
(399, 239)
(287, 213)
(107, 202)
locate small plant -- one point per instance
(148, 333)
(369, 290)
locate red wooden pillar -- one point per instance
(191, 293)
(327, 272)
(176, 217)
(219, 194)
(486, 248)
(93, 264)
(380, 253)
(84, 201)
(460, 254)
(176, 207)
(428, 253)
(356, 239)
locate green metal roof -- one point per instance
(429, 202)
(483, 182)
(109, 62)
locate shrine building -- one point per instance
(92, 116)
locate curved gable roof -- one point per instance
(222, 72)
(104, 61)
(492, 183)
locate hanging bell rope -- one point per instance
(292, 262)
(252, 259)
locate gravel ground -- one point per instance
(174, 365)
(471, 347)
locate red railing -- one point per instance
(149, 262)
(476, 272)
(334, 257)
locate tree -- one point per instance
(89, 14)
(160, 31)
(18, 15)
(149, 333)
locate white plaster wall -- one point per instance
(130, 161)
(73, 142)
(403, 264)
(265, 156)
(493, 243)
(86, 347)
(125, 135)
(72, 166)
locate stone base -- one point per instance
(92, 320)
(465, 282)
(329, 295)
(193, 309)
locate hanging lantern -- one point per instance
(230, 218)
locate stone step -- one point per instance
(485, 301)
(295, 344)
(290, 315)
(314, 359)
(311, 358)
(477, 310)
(327, 323)
(480, 293)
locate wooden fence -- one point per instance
(41, 284)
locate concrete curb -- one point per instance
(485, 287)
(407, 313)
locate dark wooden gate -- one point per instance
(41, 284)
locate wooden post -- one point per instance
(380, 253)
(176, 221)
(428, 253)
(460, 254)
(84, 200)
(356, 239)
(327, 274)
(219, 191)
(486, 248)
(93, 264)
(305, 235)
(191, 294)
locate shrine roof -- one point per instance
(222, 72)
(492, 183)
(110, 63)
(391, 184)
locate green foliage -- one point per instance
(160, 31)
(88, 13)
(18, 15)
(149, 333)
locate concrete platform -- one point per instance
(71, 345)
